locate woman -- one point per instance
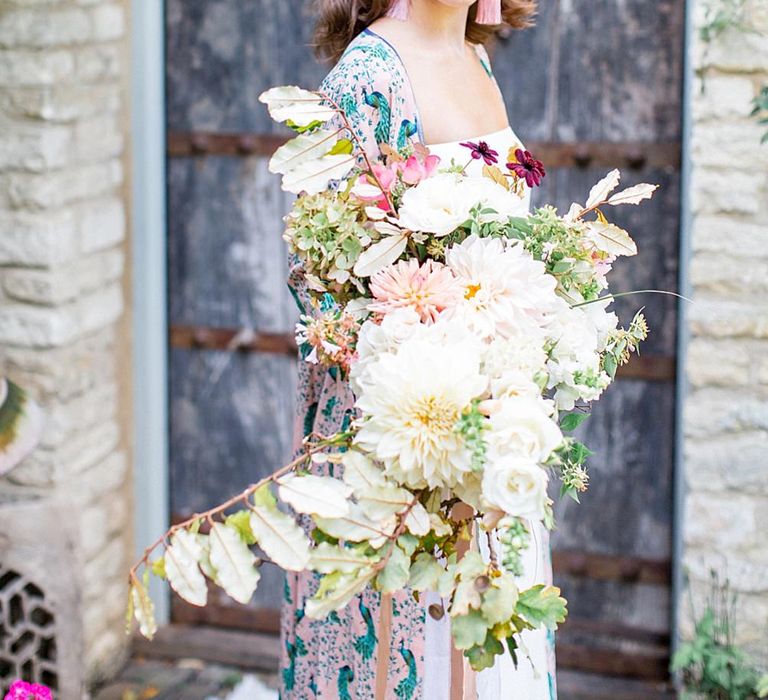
(407, 71)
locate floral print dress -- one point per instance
(336, 658)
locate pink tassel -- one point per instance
(488, 12)
(399, 9)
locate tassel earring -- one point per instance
(488, 12)
(399, 9)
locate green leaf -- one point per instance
(342, 146)
(482, 657)
(394, 576)
(542, 606)
(316, 495)
(158, 568)
(182, 566)
(499, 600)
(425, 573)
(303, 148)
(280, 537)
(300, 107)
(241, 521)
(571, 421)
(264, 497)
(143, 609)
(328, 558)
(469, 630)
(335, 591)
(234, 563)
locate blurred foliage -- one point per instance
(712, 667)
(721, 15)
(760, 111)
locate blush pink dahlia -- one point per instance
(428, 289)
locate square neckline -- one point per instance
(409, 83)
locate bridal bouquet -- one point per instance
(473, 335)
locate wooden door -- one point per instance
(596, 86)
(232, 373)
(592, 87)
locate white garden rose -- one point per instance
(437, 205)
(574, 364)
(514, 364)
(522, 426)
(491, 195)
(516, 485)
(375, 339)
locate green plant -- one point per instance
(721, 15)
(760, 111)
(712, 667)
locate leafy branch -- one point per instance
(760, 110)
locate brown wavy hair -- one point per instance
(340, 21)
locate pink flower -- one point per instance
(428, 289)
(20, 690)
(416, 170)
(386, 175)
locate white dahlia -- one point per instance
(506, 291)
(411, 401)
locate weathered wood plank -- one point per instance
(244, 649)
(221, 54)
(596, 72)
(227, 261)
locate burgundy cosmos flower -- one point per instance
(482, 150)
(527, 167)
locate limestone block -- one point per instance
(102, 224)
(714, 411)
(99, 138)
(66, 283)
(710, 316)
(718, 363)
(722, 234)
(44, 239)
(22, 67)
(722, 521)
(730, 462)
(44, 28)
(108, 22)
(714, 192)
(61, 103)
(723, 96)
(98, 63)
(58, 188)
(36, 147)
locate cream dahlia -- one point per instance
(411, 401)
(505, 289)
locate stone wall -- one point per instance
(726, 409)
(63, 321)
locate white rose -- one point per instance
(482, 190)
(522, 426)
(375, 339)
(435, 205)
(516, 485)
